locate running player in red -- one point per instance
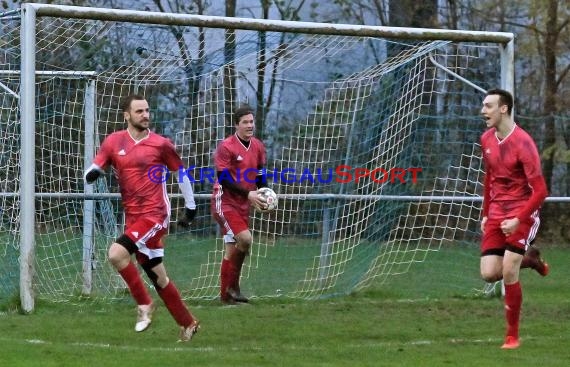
(239, 160)
(141, 160)
(514, 190)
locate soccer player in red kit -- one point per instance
(514, 190)
(141, 159)
(239, 160)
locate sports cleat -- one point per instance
(540, 265)
(144, 317)
(543, 269)
(186, 333)
(237, 296)
(511, 343)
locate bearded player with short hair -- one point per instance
(134, 153)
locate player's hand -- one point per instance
(483, 222)
(256, 200)
(186, 220)
(509, 226)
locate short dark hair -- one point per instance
(505, 98)
(242, 111)
(126, 103)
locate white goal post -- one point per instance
(346, 205)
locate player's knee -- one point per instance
(244, 241)
(510, 275)
(490, 273)
(127, 243)
(490, 276)
(119, 253)
(243, 246)
(148, 267)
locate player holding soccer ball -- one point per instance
(514, 190)
(135, 153)
(239, 154)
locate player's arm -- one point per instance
(189, 203)
(531, 164)
(229, 184)
(539, 193)
(92, 173)
(174, 162)
(100, 162)
(261, 178)
(223, 161)
(486, 198)
(486, 194)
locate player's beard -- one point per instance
(141, 126)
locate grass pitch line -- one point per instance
(190, 348)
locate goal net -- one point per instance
(371, 145)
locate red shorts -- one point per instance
(147, 235)
(495, 242)
(231, 223)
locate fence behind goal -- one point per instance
(332, 102)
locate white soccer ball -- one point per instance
(269, 197)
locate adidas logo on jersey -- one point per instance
(136, 234)
(239, 158)
(122, 152)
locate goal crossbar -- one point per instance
(134, 16)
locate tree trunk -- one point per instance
(229, 70)
(413, 13)
(550, 88)
(261, 70)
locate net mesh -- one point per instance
(329, 108)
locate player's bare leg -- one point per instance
(491, 268)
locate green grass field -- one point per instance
(413, 320)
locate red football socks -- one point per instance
(225, 280)
(135, 283)
(513, 302)
(175, 306)
(237, 258)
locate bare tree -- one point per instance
(229, 68)
(413, 13)
(551, 36)
(192, 68)
(543, 29)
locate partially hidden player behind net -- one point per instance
(135, 154)
(514, 190)
(233, 196)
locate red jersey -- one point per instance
(134, 163)
(242, 164)
(510, 164)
